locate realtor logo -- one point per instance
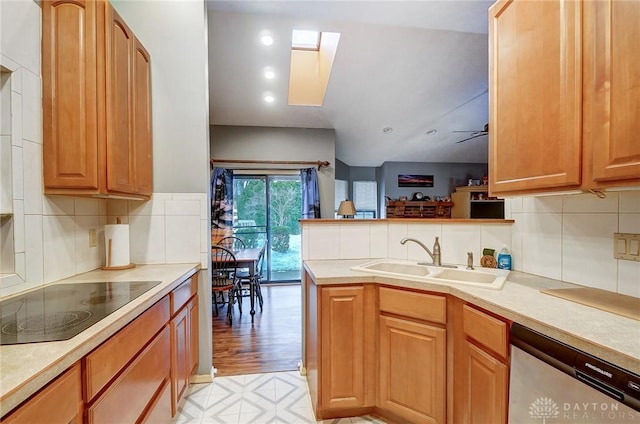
(544, 408)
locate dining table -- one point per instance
(247, 258)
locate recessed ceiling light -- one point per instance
(387, 130)
(267, 40)
(432, 132)
(269, 74)
(269, 98)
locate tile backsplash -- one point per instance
(564, 237)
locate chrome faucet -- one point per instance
(435, 255)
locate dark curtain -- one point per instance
(310, 193)
(222, 198)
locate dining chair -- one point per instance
(246, 278)
(224, 279)
(232, 243)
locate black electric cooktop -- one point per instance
(60, 311)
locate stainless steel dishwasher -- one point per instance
(552, 382)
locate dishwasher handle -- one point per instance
(600, 386)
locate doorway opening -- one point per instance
(267, 208)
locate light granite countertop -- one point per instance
(25, 368)
(608, 336)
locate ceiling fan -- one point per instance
(474, 134)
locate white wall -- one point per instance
(263, 143)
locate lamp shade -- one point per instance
(347, 208)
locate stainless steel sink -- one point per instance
(417, 271)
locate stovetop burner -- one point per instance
(61, 311)
(43, 324)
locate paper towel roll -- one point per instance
(116, 244)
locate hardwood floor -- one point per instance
(274, 341)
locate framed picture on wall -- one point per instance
(411, 180)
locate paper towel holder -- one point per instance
(107, 267)
(115, 268)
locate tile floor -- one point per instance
(273, 398)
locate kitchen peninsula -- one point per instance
(388, 345)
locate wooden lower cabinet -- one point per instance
(180, 356)
(343, 348)
(138, 375)
(486, 386)
(405, 355)
(481, 367)
(59, 402)
(128, 398)
(412, 381)
(184, 339)
(340, 348)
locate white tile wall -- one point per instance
(565, 237)
(170, 228)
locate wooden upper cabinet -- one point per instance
(612, 83)
(564, 95)
(536, 95)
(119, 86)
(96, 102)
(142, 139)
(69, 100)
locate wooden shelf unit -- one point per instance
(418, 209)
(472, 202)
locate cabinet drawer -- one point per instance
(414, 305)
(108, 359)
(160, 410)
(181, 295)
(128, 397)
(485, 329)
(60, 401)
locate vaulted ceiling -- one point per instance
(414, 66)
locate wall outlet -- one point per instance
(93, 237)
(626, 246)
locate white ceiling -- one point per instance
(410, 65)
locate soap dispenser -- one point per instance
(504, 259)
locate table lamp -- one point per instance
(347, 209)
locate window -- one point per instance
(365, 197)
(305, 40)
(341, 193)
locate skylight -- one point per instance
(305, 40)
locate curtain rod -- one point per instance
(319, 164)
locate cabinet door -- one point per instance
(119, 96)
(69, 102)
(486, 382)
(412, 381)
(59, 402)
(614, 126)
(535, 111)
(194, 340)
(179, 356)
(342, 347)
(142, 119)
